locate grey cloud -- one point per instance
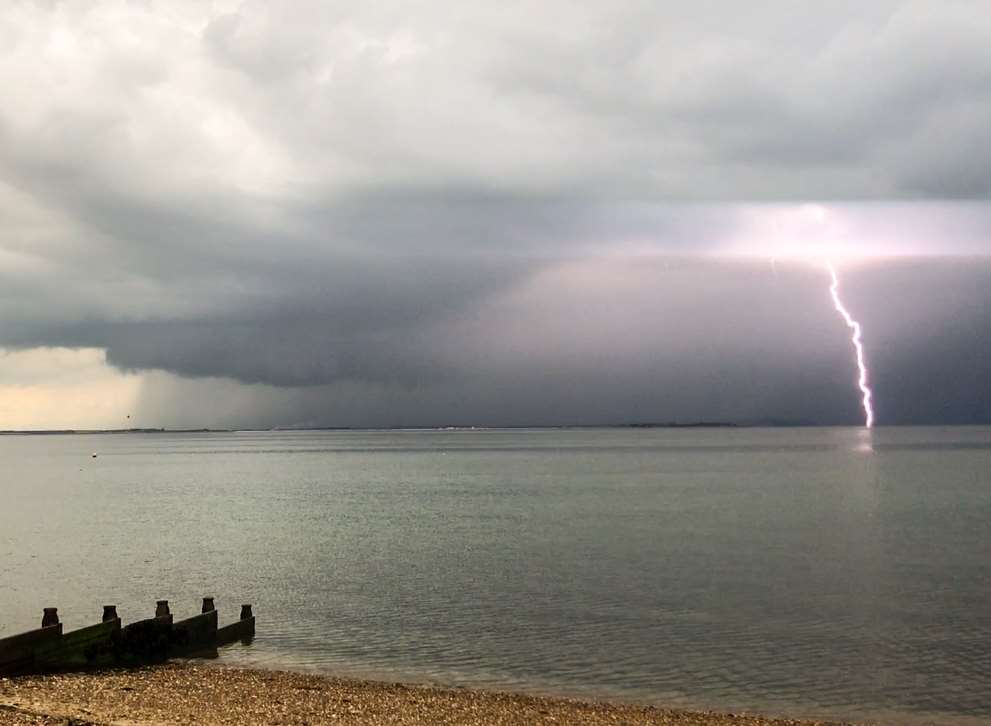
(433, 212)
(720, 101)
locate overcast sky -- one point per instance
(427, 213)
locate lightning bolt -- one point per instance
(858, 347)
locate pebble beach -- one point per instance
(182, 693)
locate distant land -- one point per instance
(53, 432)
(636, 425)
(677, 425)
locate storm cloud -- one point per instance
(314, 213)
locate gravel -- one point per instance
(181, 693)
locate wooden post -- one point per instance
(162, 608)
(109, 613)
(246, 612)
(50, 617)
(208, 605)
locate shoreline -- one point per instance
(182, 692)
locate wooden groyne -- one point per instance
(108, 643)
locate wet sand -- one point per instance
(180, 693)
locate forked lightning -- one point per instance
(858, 347)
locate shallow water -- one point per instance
(809, 572)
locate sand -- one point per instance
(182, 693)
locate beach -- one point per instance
(183, 693)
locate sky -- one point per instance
(255, 214)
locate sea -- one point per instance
(808, 572)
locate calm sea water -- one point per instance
(808, 572)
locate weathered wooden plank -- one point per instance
(195, 633)
(17, 651)
(93, 645)
(241, 630)
(144, 641)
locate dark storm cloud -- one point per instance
(930, 338)
(444, 211)
(668, 339)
